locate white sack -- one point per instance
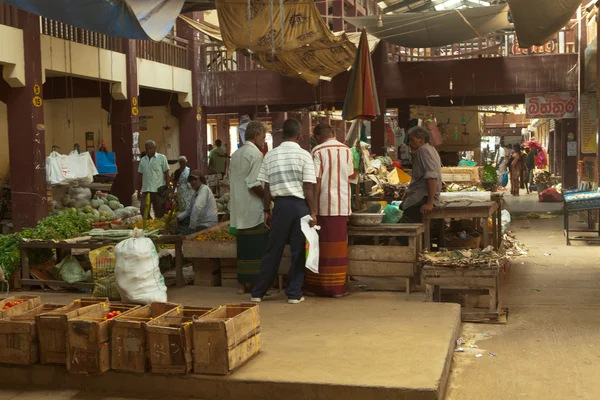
(137, 272)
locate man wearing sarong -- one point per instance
(246, 204)
(334, 166)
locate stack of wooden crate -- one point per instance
(28, 303)
(228, 272)
(170, 339)
(129, 344)
(226, 338)
(88, 339)
(19, 342)
(52, 328)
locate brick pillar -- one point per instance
(338, 15)
(568, 130)
(124, 124)
(191, 139)
(26, 143)
(378, 126)
(277, 121)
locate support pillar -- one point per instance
(191, 139)
(26, 145)
(568, 131)
(306, 122)
(124, 124)
(204, 135)
(277, 126)
(223, 132)
(338, 15)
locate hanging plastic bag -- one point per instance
(137, 271)
(312, 243)
(391, 214)
(103, 262)
(435, 138)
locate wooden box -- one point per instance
(52, 328)
(88, 339)
(18, 337)
(129, 344)
(207, 272)
(29, 303)
(170, 340)
(226, 338)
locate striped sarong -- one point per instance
(251, 246)
(333, 259)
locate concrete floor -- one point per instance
(526, 203)
(367, 345)
(549, 348)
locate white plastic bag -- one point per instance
(137, 272)
(312, 243)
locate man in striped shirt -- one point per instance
(334, 166)
(288, 173)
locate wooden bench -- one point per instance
(375, 260)
(466, 281)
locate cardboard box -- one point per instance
(88, 339)
(226, 338)
(129, 344)
(29, 303)
(52, 328)
(170, 340)
(19, 342)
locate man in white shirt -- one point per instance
(201, 212)
(500, 162)
(288, 173)
(246, 204)
(154, 180)
(334, 167)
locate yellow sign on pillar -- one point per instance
(134, 110)
(37, 101)
(37, 89)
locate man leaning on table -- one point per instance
(424, 189)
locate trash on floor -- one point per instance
(492, 354)
(478, 355)
(460, 350)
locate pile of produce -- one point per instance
(490, 174)
(216, 236)
(67, 224)
(397, 192)
(111, 315)
(457, 187)
(11, 304)
(542, 178)
(222, 202)
(103, 207)
(471, 258)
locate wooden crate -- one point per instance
(226, 338)
(18, 336)
(52, 328)
(170, 340)
(88, 339)
(129, 344)
(29, 303)
(228, 272)
(207, 272)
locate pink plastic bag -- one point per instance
(435, 138)
(540, 159)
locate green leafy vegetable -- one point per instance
(490, 174)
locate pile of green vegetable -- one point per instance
(66, 225)
(102, 208)
(490, 174)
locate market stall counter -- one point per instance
(65, 247)
(580, 201)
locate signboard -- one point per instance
(551, 105)
(503, 132)
(589, 112)
(550, 47)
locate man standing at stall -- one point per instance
(334, 166)
(217, 159)
(288, 172)
(423, 192)
(246, 204)
(154, 180)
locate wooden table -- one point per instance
(63, 247)
(468, 210)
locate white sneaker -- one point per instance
(255, 299)
(296, 301)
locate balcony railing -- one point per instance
(171, 51)
(489, 46)
(8, 15)
(69, 32)
(216, 59)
